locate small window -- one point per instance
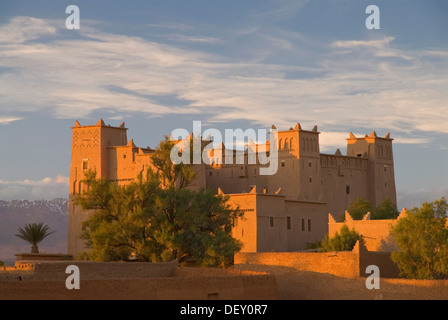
(359, 155)
(309, 224)
(265, 190)
(303, 224)
(271, 221)
(282, 163)
(85, 165)
(347, 189)
(210, 174)
(124, 156)
(311, 179)
(288, 223)
(310, 164)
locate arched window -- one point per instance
(291, 145)
(286, 144)
(280, 144)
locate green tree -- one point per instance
(122, 222)
(159, 218)
(34, 233)
(422, 237)
(387, 210)
(359, 208)
(344, 240)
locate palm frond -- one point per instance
(34, 233)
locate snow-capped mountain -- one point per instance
(17, 213)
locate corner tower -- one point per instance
(89, 151)
(380, 167)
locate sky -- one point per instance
(160, 65)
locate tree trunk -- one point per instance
(34, 249)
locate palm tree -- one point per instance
(34, 233)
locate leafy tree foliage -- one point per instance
(359, 207)
(422, 237)
(34, 233)
(387, 210)
(158, 218)
(344, 240)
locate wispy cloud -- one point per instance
(21, 29)
(8, 120)
(197, 39)
(379, 43)
(47, 188)
(45, 181)
(366, 87)
(405, 140)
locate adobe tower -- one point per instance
(89, 151)
(380, 165)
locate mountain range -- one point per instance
(17, 213)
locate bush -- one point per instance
(344, 240)
(422, 237)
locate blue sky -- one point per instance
(160, 65)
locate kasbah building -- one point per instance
(282, 212)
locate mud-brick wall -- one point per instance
(137, 281)
(347, 264)
(55, 270)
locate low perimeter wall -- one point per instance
(55, 270)
(135, 281)
(343, 264)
